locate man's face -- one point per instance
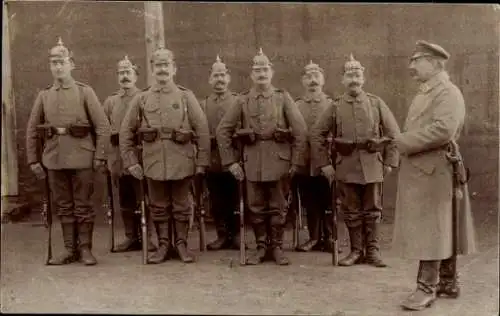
(313, 81)
(61, 67)
(164, 71)
(127, 78)
(262, 75)
(353, 81)
(422, 68)
(219, 81)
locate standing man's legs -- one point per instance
(82, 180)
(372, 215)
(159, 202)
(427, 280)
(61, 190)
(277, 210)
(307, 187)
(181, 210)
(215, 183)
(256, 198)
(350, 195)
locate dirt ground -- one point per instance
(216, 284)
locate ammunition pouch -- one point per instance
(283, 135)
(213, 142)
(246, 136)
(148, 134)
(114, 139)
(182, 136)
(45, 131)
(344, 147)
(377, 145)
(79, 130)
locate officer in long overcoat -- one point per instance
(423, 217)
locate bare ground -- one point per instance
(216, 284)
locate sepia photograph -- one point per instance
(240, 158)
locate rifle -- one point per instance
(241, 213)
(200, 209)
(144, 220)
(297, 206)
(47, 215)
(112, 205)
(335, 244)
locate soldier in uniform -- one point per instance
(423, 226)
(175, 145)
(115, 107)
(358, 120)
(274, 136)
(222, 186)
(77, 134)
(314, 188)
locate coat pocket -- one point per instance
(87, 145)
(285, 154)
(426, 166)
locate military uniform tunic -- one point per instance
(168, 166)
(360, 174)
(68, 159)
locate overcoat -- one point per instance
(423, 215)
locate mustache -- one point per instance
(220, 82)
(262, 78)
(314, 83)
(162, 73)
(354, 84)
(124, 80)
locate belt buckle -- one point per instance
(61, 130)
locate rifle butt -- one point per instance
(242, 224)
(144, 230)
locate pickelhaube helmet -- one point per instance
(352, 65)
(219, 66)
(312, 67)
(261, 60)
(60, 51)
(126, 64)
(162, 54)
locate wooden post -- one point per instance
(155, 34)
(9, 143)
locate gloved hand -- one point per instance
(329, 172)
(136, 171)
(387, 170)
(237, 171)
(37, 169)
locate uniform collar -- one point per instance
(66, 85)
(266, 93)
(438, 78)
(316, 97)
(219, 96)
(127, 92)
(359, 98)
(170, 87)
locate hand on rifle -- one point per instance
(99, 165)
(200, 170)
(293, 170)
(136, 171)
(37, 169)
(387, 170)
(237, 171)
(329, 172)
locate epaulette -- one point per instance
(298, 99)
(49, 86)
(245, 92)
(234, 93)
(372, 95)
(81, 84)
(146, 89)
(279, 90)
(114, 93)
(182, 88)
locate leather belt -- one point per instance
(165, 133)
(263, 137)
(60, 130)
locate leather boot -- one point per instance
(356, 255)
(313, 225)
(85, 233)
(327, 233)
(222, 242)
(448, 285)
(261, 239)
(427, 280)
(163, 243)
(131, 242)
(69, 254)
(372, 256)
(182, 229)
(277, 245)
(151, 246)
